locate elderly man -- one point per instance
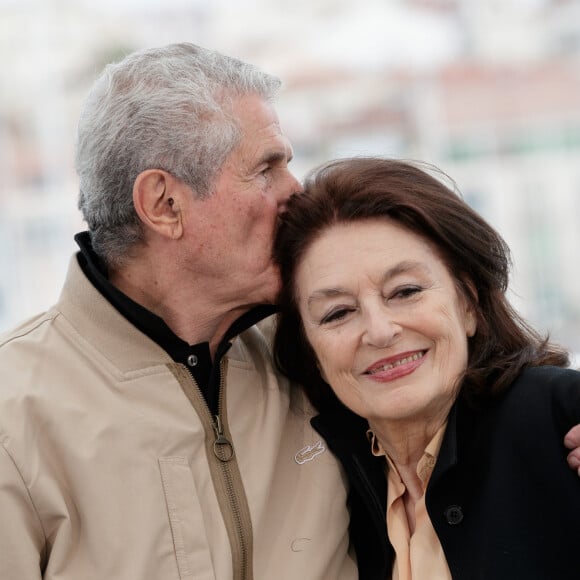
(145, 433)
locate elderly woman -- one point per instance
(446, 409)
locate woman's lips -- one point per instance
(396, 366)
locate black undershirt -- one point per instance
(196, 357)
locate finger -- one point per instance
(572, 438)
(574, 459)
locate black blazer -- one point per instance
(502, 499)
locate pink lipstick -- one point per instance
(396, 366)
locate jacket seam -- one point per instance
(29, 329)
(3, 440)
(112, 368)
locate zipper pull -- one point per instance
(222, 446)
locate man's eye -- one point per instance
(335, 315)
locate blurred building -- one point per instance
(502, 121)
(488, 91)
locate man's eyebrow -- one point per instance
(272, 157)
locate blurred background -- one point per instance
(488, 90)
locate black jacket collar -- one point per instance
(149, 323)
(345, 435)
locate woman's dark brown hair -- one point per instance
(477, 257)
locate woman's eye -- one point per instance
(406, 292)
(335, 315)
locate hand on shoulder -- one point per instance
(572, 442)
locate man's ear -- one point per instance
(157, 197)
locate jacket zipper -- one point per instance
(224, 451)
(225, 473)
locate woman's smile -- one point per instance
(395, 367)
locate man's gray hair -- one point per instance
(162, 108)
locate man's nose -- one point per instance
(297, 186)
(293, 187)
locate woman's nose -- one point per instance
(380, 329)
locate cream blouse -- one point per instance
(418, 556)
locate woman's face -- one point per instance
(385, 320)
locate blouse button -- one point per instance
(192, 360)
(453, 515)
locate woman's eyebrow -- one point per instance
(326, 293)
(404, 267)
(399, 268)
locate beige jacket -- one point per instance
(111, 466)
